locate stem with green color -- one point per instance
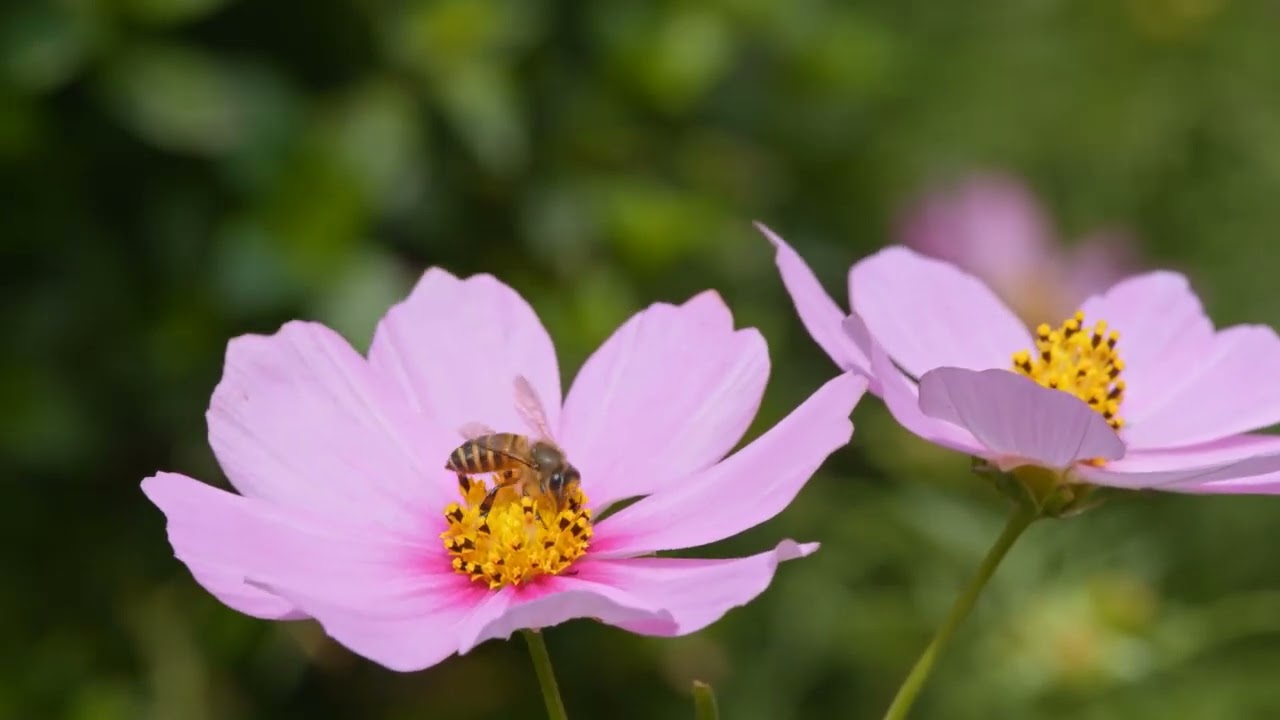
(704, 702)
(546, 676)
(1022, 517)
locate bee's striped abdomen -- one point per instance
(488, 453)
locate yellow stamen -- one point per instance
(1083, 363)
(521, 538)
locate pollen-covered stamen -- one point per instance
(521, 537)
(1079, 361)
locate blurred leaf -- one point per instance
(355, 302)
(43, 44)
(655, 225)
(480, 100)
(677, 56)
(376, 132)
(167, 12)
(465, 52)
(184, 100)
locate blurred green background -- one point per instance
(178, 172)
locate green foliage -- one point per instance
(178, 172)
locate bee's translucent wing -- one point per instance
(529, 407)
(473, 430)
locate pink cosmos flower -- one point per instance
(991, 225)
(1137, 390)
(345, 512)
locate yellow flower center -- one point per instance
(521, 538)
(1077, 361)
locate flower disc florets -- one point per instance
(520, 538)
(1079, 362)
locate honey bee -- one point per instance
(534, 465)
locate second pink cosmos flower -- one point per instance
(1137, 390)
(345, 512)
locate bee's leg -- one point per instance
(487, 504)
(503, 479)
(465, 483)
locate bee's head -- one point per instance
(563, 481)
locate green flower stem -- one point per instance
(1022, 517)
(546, 676)
(704, 702)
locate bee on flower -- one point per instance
(441, 491)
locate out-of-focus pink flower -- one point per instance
(992, 226)
(345, 512)
(1138, 390)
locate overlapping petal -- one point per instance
(744, 490)
(1018, 421)
(300, 419)
(902, 398)
(927, 314)
(668, 395)
(455, 346)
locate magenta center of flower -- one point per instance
(1078, 361)
(520, 538)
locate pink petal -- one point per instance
(927, 314)
(300, 419)
(1267, 484)
(315, 562)
(901, 397)
(393, 602)
(749, 487)
(668, 395)
(1018, 421)
(408, 638)
(695, 593)
(229, 587)
(454, 348)
(1232, 390)
(819, 314)
(1202, 468)
(404, 644)
(1164, 337)
(555, 600)
(990, 225)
